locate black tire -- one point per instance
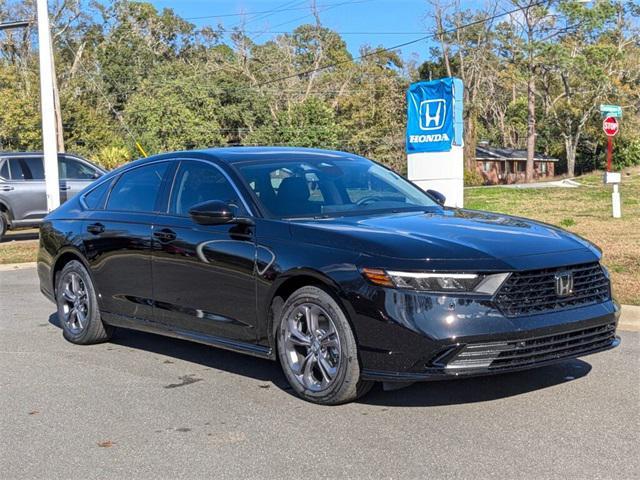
(91, 329)
(4, 224)
(345, 385)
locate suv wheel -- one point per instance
(78, 311)
(317, 349)
(4, 224)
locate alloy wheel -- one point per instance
(75, 303)
(312, 346)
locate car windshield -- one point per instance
(326, 187)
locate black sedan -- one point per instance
(332, 264)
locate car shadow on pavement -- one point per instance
(425, 394)
(479, 389)
(211, 357)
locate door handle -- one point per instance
(95, 228)
(6, 188)
(64, 188)
(165, 235)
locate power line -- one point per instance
(400, 45)
(117, 114)
(320, 9)
(360, 57)
(322, 67)
(275, 10)
(289, 32)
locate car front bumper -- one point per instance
(410, 336)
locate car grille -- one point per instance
(534, 291)
(522, 353)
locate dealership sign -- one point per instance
(433, 109)
(610, 126)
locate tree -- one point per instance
(579, 70)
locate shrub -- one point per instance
(113, 157)
(472, 178)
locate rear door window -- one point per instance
(137, 190)
(72, 169)
(27, 168)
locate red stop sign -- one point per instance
(610, 126)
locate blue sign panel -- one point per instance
(434, 112)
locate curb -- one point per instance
(5, 267)
(629, 316)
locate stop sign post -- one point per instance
(611, 128)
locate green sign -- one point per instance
(611, 111)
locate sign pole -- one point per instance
(49, 146)
(611, 128)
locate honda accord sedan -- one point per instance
(333, 265)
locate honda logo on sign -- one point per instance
(564, 284)
(433, 114)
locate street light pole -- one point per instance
(50, 150)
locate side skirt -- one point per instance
(142, 325)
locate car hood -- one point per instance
(446, 234)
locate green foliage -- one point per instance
(627, 154)
(112, 157)
(567, 222)
(308, 124)
(472, 178)
(129, 72)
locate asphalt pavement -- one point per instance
(144, 406)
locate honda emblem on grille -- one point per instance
(564, 284)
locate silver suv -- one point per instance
(23, 199)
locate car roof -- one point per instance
(252, 154)
(29, 154)
(60, 154)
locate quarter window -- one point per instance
(4, 170)
(94, 200)
(198, 182)
(137, 189)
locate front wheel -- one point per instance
(77, 303)
(317, 349)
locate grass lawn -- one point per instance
(586, 211)
(18, 252)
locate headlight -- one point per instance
(483, 284)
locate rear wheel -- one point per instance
(4, 224)
(317, 349)
(78, 311)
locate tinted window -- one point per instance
(96, 197)
(137, 189)
(198, 182)
(326, 186)
(29, 168)
(4, 170)
(75, 170)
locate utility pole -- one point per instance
(56, 105)
(52, 181)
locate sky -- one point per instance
(375, 22)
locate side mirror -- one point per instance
(212, 212)
(437, 196)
